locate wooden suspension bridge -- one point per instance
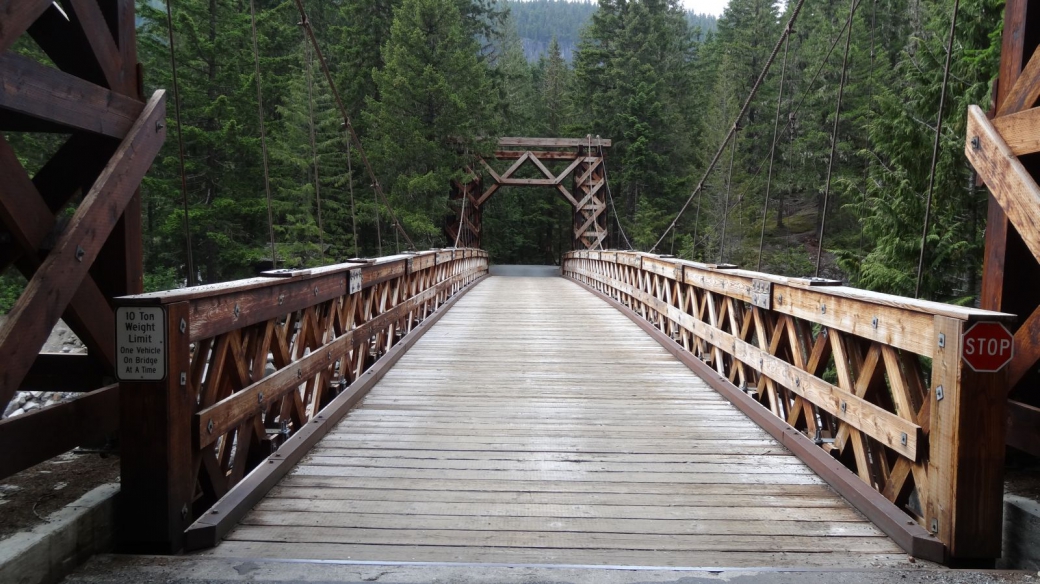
(638, 409)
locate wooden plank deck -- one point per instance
(535, 424)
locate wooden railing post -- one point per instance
(966, 449)
(157, 481)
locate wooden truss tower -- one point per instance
(1004, 152)
(583, 160)
(71, 225)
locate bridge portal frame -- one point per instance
(585, 164)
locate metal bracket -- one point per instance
(762, 294)
(355, 281)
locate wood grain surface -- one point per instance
(536, 424)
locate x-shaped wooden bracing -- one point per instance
(92, 95)
(315, 349)
(993, 148)
(875, 381)
(589, 206)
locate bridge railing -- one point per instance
(215, 378)
(877, 381)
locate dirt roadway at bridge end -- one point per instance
(113, 569)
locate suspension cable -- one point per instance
(462, 214)
(870, 103)
(729, 188)
(935, 148)
(740, 115)
(834, 137)
(379, 227)
(772, 152)
(801, 101)
(610, 197)
(314, 151)
(263, 134)
(306, 23)
(353, 212)
(180, 147)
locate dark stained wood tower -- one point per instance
(84, 89)
(1011, 277)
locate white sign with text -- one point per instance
(140, 343)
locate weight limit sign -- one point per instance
(141, 343)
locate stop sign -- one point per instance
(987, 347)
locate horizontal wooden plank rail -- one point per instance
(876, 381)
(249, 364)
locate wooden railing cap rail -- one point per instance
(737, 282)
(276, 277)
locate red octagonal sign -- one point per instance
(987, 347)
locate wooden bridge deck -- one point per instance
(535, 424)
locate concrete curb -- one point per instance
(49, 552)
(1021, 533)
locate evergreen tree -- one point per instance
(433, 115)
(634, 82)
(901, 136)
(554, 81)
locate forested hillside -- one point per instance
(430, 84)
(539, 21)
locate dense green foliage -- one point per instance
(538, 22)
(431, 83)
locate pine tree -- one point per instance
(554, 82)
(901, 137)
(634, 75)
(433, 114)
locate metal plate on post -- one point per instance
(141, 343)
(355, 281)
(762, 294)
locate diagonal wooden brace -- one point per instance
(56, 281)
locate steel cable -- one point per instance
(743, 110)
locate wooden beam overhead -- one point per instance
(18, 16)
(1021, 130)
(32, 89)
(1009, 181)
(552, 142)
(1026, 89)
(541, 154)
(103, 47)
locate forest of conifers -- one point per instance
(431, 84)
